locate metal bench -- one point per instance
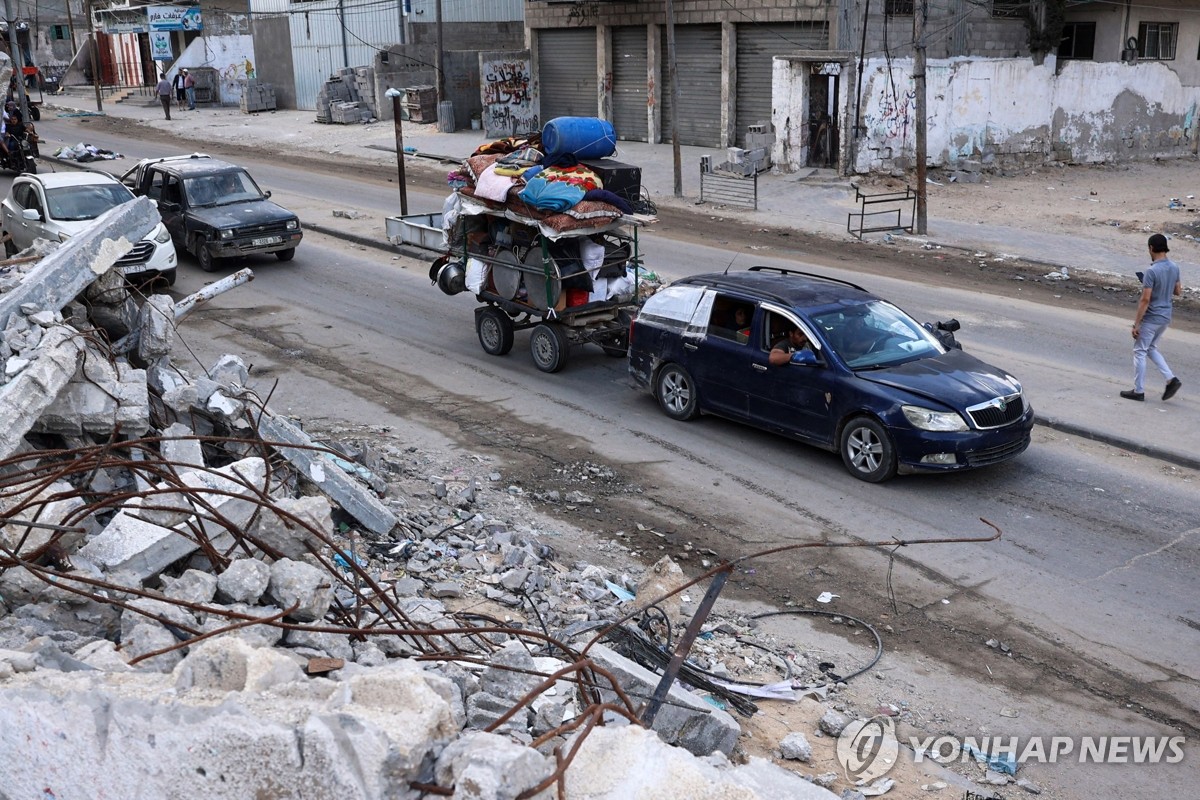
(899, 199)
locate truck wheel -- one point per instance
(286, 255)
(207, 262)
(676, 393)
(548, 343)
(495, 331)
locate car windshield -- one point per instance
(875, 335)
(79, 203)
(218, 190)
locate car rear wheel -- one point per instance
(548, 343)
(286, 255)
(495, 330)
(867, 450)
(676, 393)
(204, 256)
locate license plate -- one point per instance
(266, 240)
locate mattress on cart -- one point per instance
(584, 218)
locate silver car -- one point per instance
(58, 205)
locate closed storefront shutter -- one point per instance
(629, 83)
(698, 68)
(567, 72)
(756, 45)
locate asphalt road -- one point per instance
(1093, 585)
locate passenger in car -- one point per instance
(781, 351)
(741, 323)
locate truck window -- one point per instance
(155, 190)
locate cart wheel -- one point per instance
(549, 344)
(35, 113)
(495, 329)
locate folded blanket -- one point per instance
(551, 195)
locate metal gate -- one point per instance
(756, 45)
(629, 91)
(566, 72)
(698, 69)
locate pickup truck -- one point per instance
(214, 209)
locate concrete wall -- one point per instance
(400, 67)
(510, 105)
(231, 56)
(687, 12)
(1115, 23)
(469, 35)
(1009, 112)
(956, 28)
(273, 52)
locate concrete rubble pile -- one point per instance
(197, 599)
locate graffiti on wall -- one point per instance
(896, 115)
(509, 106)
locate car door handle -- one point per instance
(759, 367)
(689, 346)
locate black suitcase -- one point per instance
(623, 180)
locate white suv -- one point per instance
(59, 205)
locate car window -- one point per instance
(227, 187)
(78, 203)
(157, 181)
(875, 334)
(676, 303)
(24, 196)
(171, 190)
(730, 318)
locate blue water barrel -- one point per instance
(583, 137)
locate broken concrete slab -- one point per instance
(684, 719)
(303, 585)
(357, 501)
(491, 767)
(275, 528)
(34, 388)
(43, 512)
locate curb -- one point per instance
(1178, 459)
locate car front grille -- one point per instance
(258, 231)
(994, 455)
(998, 412)
(140, 254)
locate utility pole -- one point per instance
(919, 100)
(441, 80)
(673, 76)
(93, 52)
(18, 58)
(397, 114)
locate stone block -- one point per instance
(244, 580)
(303, 585)
(485, 766)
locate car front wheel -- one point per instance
(676, 393)
(204, 256)
(867, 450)
(286, 255)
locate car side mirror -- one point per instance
(31, 214)
(171, 207)
(267, 194)
(805, 357)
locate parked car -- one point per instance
(873, 383)
(214, 209)
(59, 205)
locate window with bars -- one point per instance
(898, 8)
(1078, 42)
(1010, 9)
(1156, 40)
(60, 32)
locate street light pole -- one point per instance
(922, 121)
(93, 52)
(395, 94)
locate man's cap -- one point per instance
(184, 69)
(1158, 244)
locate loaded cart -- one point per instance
(571, 277)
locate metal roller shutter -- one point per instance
(629, 83)
(756, 45)
(698, 67)
(567, 72)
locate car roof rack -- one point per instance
(785, 271)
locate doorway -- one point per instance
(823, 87)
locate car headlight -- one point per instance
(227, 234)
(926, 419)
(292, 224)
(163, 235)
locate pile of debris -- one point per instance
(348, 97)
(198, 598)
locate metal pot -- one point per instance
(450, 276)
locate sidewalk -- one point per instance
(1073, 401)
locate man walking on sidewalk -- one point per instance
(1160, 283)
(189, 88)
(164, 93)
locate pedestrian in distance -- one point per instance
(177, 85)
(189, 88)
(164, 93)
(1160, 285)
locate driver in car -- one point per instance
(781, 352)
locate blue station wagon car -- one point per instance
(871, 382)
